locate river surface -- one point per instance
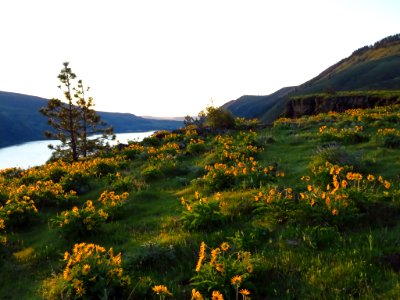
(37, 153)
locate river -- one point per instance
(36, 153)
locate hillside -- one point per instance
(20, 120)
(374, 67)
(250, 106)
(305, 209)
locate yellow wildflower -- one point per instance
(386, 184)
(220, 268)
(86, 269)
(196, 295)
(216, 295)
(225, 246)
(161, 289)
(214, 255)
(244, 292)
(201, 256)
(236, 280)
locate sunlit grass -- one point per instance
(300, 247)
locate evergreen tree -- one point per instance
(74, 123)
(91, 124)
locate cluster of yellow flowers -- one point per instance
(333, 130)
(135, 146)
(250, 167)
(17, 210)
(388, 131)
(88, 216)
(274, 194)
(89, 264)
(200, 200)
(238, 164)
(218, 265)
(353, 115)
(44, 193)
(336, 193)
(111, 199)
(236, 281)
(87, 167)
(190, 131)
(196, 141)
(167, 152)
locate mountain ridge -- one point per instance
(375, 67)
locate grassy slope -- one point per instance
(374, 68)
(376, 74)
(292, 263)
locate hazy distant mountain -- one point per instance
(21, 121)
(164, 118)
(369, 68)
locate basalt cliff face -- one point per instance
(314, 104)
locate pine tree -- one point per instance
(74, 123)
(91, 123)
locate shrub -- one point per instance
(18, 211)
(345, 135)
(90, 272)
(151, 173)
(334, 153)
(57, 173)
(112, 203)
(196, 146)
(80, 222)
(76, 181)
(219, 118)
(151, 141)
(222, 269)
(391, 141)
(133, 150)
(103, 168)
(201, 214)
(47, 193)
(128, 183)
(319, 237)
(343, 199)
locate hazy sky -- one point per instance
(170, 57)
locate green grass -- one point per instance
(297, 252)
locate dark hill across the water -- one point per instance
(21, 121)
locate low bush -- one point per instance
(91, 272)
(80, 222)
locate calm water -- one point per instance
(37, 153)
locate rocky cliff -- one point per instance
(322, 103)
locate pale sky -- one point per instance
(171, 57)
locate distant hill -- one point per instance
(21, 121)
(250, 106)
(369, 68)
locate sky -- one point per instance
(173, 58)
